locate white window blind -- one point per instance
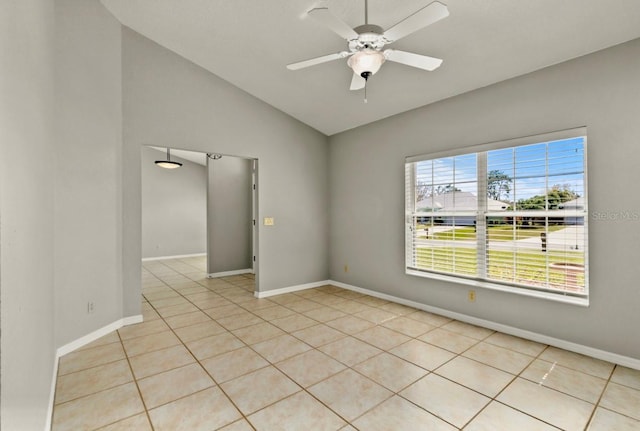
(509, 215)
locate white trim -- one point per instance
(177, 256)
(229, 273)
(506, 143)
(132, 320)
(83, 341)
(615, 358)
(290, 289)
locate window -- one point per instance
(508, 216)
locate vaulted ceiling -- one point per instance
(249, 42)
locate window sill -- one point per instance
(557, 297)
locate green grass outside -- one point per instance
(495, 233)
(530, 266)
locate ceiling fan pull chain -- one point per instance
(365, 91)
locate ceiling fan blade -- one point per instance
(338, 26)
(426, 16)
(357, 82)
(317, 60)
(415, 60)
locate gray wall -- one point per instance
(600, 91)
(26, 212)
(60, 190)
(87, 206)
(169, 100)
(174, 207)
(229, 214)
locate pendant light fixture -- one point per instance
(168, 164)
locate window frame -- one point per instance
(477, 281)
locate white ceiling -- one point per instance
(249, 43)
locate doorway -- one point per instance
(207, 206)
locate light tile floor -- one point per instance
(210, 356)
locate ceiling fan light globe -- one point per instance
(367, 60)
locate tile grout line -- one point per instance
(202, 366)
(380, 324)
(272, 364)
(519, 375)
(604, 389)
(352, 367)
(515, 377)
(382, 351)
(315, 348)
(461, 355)
(135, 381)
(457, 355)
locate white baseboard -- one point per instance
(132, 320)
(177, 256)
(230, 273)
(76, 344)
(83, 341)
(290, 289)
(522, 333)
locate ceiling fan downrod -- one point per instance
(366, 75)
(366, 12)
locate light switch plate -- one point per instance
(268, 221)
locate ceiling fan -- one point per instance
(365, 42)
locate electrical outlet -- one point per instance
(90, 307)
(472, 296)
(346, 268)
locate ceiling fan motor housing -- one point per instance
(369, 36)
(368, 50)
